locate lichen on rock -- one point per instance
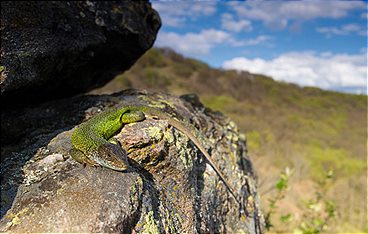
(160, 191)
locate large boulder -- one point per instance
(170, 187)
(57, 49)
(52, 49)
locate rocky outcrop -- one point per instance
(169, 187)
(53, 49)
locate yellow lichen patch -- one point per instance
(185, 156)
(250, 204)
(155, 133)
(15, 220)
(130, 150)
(137, 184)
(15, 217)
(150, 225)
(241, 231)
(161, 101)
(169, 137)
(136, 190)
(154, 104)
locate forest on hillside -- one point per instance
(307, 145)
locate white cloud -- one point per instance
(343, 30)
(229, 23)
(325, 70)
(193, 43)
(252, 41)
(279, 14)
(177, 13)
(201, 43)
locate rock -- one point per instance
(169, 187)
(53, 49)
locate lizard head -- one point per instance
(112, 156)
(132, 116)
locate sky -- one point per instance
(310, 43)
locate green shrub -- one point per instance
(153, 58)
(154, 79)
(339, 160)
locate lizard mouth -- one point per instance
(112, 156)
(116, 166)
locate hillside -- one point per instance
(307, 129)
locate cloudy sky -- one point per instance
(310, 43)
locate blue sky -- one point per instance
(310, 43)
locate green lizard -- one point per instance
(92, 139)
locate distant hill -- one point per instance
(308, 129)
